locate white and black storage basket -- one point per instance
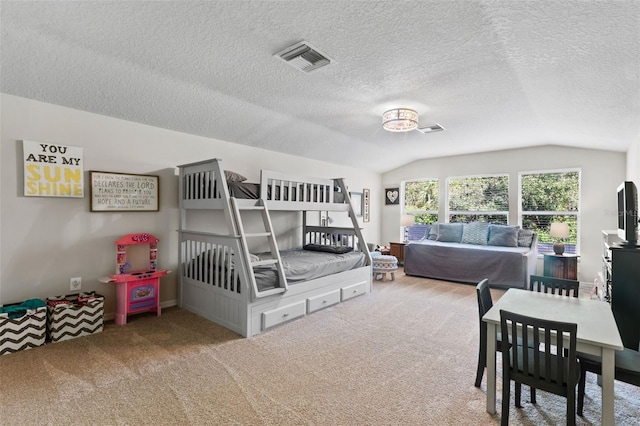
(22, 326)
(74, 315)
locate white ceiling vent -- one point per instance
(304, 57)
(430, 129)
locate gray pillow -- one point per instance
(233, 176)
(433, 232)
(328, 249)
(450, 232)
(502, 235)
(475, 233)
(525, 237)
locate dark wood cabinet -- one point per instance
(625, 293)
(561, 266)
(397, 250)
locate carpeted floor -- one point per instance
(404, 355)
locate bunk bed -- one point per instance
(239, 278)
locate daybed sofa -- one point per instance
(470, 252)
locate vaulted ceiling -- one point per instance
(495, 74)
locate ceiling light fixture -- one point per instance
(400, 120)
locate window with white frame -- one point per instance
(420, 199)
(547, 197)
(478, 199)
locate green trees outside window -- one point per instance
(549, 197)
(421, 200)
(479, 199)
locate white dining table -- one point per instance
(597, 334)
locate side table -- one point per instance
(397, 250)
(561, 266)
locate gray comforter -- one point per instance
(299, 266)
(304, 265)
(469, 263)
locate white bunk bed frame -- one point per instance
(227, 293)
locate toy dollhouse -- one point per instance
(138, 288)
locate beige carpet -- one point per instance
(405, 354)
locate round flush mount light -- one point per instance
(400, 120)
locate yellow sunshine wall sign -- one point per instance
(52, 170)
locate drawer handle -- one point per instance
(355, 291)
(285, 315)
(324, 301)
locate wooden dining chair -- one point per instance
(485, 302)
(554, 285)
(545, 366)
(627, 369)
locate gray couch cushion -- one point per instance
(433, 232)
(525, 237)
(450, 232)
(502, 235)
(475, 233)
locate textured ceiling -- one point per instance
(495, 74)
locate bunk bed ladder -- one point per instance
(362, 245)
(273, 246)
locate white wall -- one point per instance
(45, 241)
(633, 162)
(602, 172)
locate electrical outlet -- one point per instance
(75, 284)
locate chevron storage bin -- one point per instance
(74, 315)
(22, 329)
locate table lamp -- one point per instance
(559, 230)
(406, 221)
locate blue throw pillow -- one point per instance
(418, 232)
(475, 233)
(503, 235)
(449, 232)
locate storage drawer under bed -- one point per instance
(352, 291)
(278, 316)
(316, 303)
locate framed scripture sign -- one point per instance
(111, 192)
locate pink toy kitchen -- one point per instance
(137, 276)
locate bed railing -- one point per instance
(215, 260)
(283, 191)
(203, 186)
(334, 236)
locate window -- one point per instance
(548, 197)
(479, 199)
(421, 200)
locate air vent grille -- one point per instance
(430, 129)
(304, 57)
